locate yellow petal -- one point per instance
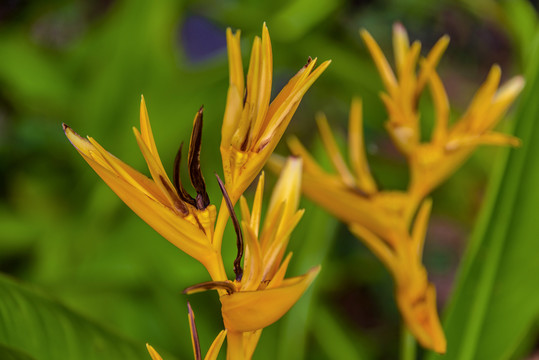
(482, 100)
(420, 227)
(215, 347)
(287, 190)
(401, 46)
(164, 220)
(253, 264)
(358, 158)
(257, 204)
(380, 61)
(441, 105)
(147, 135)
(491, 138)
(154, 354)
(160, 177)
(235, 65)
(297, 149)
(278, 278)
(281, 114)
(274, 250)
(231, 119)
(252, 310)
(333, 151)
(92, 150)
(264, 92)
(422, 319)
(376, 245)
(287, 90)
(503, 98)
(250, 340)
(430, 63)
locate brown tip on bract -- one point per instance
(210, 285)
(398, 26)
(65, 127)
(239, 237)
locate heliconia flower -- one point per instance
(404, 90)
(432, 162)
(165, 205)
(252, 126)
(382, 219)
(416, 297)
(260, 294)
(213, 351)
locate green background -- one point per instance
(82, 277)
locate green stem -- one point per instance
(408, 345)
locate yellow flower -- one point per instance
(252, 126)
(213, 351)
(383, 219)
(260, 294)
(380, 219)
(431, 163)
(185, 221)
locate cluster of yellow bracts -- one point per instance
(391, 223)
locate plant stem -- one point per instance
(408, 345)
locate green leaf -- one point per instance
(496, 301)
(7, 353)
(34, 324)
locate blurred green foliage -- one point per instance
(100, 268)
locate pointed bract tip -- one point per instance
(398, 27)
(65, 127)
(201, 110)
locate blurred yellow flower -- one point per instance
(393, 223)
(432, 162)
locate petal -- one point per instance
(430, 63)
(279, 120)
(356, 144)
(419, 230)
(441, 104)
(252, 310)
(154, 354)
(401, 45)
(215, 347)
(264, 83)
(333, 151)
(287, 190)
(422, 319)
(388, 77)
(173, 227)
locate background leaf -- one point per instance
(45, 329)
(496, 302)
